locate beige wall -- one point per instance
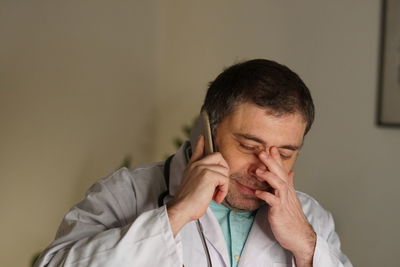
(76, 87)
(84, 83)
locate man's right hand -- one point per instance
(204, 179)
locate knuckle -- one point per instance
(204, 172)
(219, 156)
(194, 165)
(281, 183)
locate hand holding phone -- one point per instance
(205, 178)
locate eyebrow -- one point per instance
(259, 140)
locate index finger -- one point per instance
(275, 154)
(273, 165)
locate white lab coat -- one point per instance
(120, 224)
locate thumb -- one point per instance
(198, 150)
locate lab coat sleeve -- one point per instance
(107, 230)
(327, 251)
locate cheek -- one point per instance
(238, 163)
(289, 164)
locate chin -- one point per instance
(242, 203)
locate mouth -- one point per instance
(245, 189)
(252, 190)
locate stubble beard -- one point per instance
(239, 201)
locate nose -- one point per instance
(255, 165)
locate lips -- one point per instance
(245, 188)
(249, 184)
(252, 188)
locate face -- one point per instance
(242, 136)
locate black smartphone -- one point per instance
(202, 127)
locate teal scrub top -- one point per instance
(235, 226)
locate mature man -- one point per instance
(235, 207)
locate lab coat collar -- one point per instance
(213, 233)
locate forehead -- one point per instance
(247, 118)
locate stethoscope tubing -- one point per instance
(203, 240)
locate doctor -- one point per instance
(234, 207)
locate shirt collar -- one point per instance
(216, 207)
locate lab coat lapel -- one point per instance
(213, 233)
(259, 241)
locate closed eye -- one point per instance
(285, 154)
(247, 147)
(285, 157)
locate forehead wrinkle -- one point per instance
(250, 137)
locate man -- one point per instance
(235, 207)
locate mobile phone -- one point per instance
(202, 127)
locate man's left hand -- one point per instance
(285, 215)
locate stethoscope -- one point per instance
(167, 166)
